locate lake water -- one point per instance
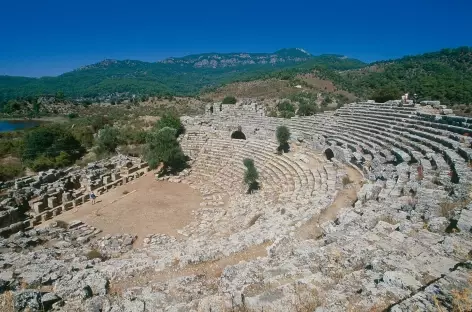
(10, 125)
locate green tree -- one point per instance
(49, 141)
(108, 140)
(229, 100)
(163, 147)
(170, 120)
(326, 101)
(285, 106)
(307, 108)
(85, 135)
(283, 135)
(387, 93)
(9, 171)
(251, 175)
(60, 95)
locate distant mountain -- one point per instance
(445, 75)
(222, 60)
(177, 76)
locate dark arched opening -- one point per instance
(329, 154)
(211, 109)
(239, 135)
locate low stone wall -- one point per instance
(129, 174)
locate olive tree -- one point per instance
(283, 135)
(251, 175)
(163, 147)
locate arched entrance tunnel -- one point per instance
(329, 154)
(239, 135)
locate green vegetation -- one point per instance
(251, 175)
(50, 146)
(94, 254)
(286, 109)
(307, 109)
(10, 170)
(170, 120)
(162, 79)
(108, 140)
(283, 135)
(163, 147)
(229, 100)
(445, 75)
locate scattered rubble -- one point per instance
(404, 245)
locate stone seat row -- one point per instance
(278, 173)
(410, 146)
(445, 137)
(451, 156)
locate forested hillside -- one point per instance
(445, 75)
(176, 76)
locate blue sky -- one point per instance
(45, 37)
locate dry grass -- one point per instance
(447, 207)
(388, 219)
(462, 299)
(62, 224)
(94, 254)
(7, 302)
(346, 180)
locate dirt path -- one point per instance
(346, 197)
(144, 206)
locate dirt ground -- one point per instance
(144, 206)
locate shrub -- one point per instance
(386, 94)
(62, 160)
(283, 135)
(162, 146)
(285, 106)
(94, 254)
(42, 163)
(251, 175)
(271, 113)
(326, 101)
(229, 100)
(307, 109)
(99, 122)
(133, 136)
(108, 140)
(43, 144)
(72, 115)
(346, 181)
(84, 134)
(10, 171)
(62, 224)
(287, 114)
(170, 120)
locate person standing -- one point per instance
(93, 197)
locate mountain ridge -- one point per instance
(445, 75)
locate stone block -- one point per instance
(57, 211)
(38, 207)
(46, 216)
(52, 202)
(68, 205)
(66, 196)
